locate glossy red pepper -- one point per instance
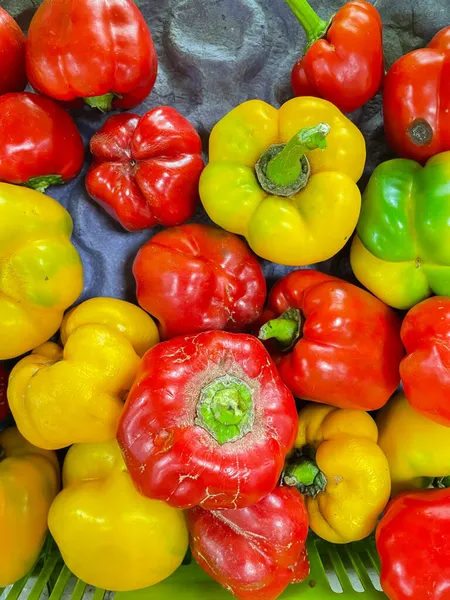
(334, 343)
(146, 169)
(4, 407)
(207, 422)
(40, 143)
(98, 50)
(413, 542)
(13, 77)
(425, 371)
(416, 102)
(255, 552)
(197, 277)
(343, 61)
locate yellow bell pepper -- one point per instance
(64, 396)
(40, 271)
(108, 534)
(417, 449)
(29, 481)
(270, 179)
(341, 470)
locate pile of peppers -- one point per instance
(206, 418)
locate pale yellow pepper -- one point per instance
(304, 226)
(108, 534)
(341, 470)
(61, 396)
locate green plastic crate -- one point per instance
(348, 571)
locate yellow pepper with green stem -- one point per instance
(108, 534)
(286, 179)
(61, 396)
(341, 471)
(40, 271)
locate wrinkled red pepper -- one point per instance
(416, 102)
(4, 406)
(196, 277)
(146, 169)
(113, 62)
(207, 422)
(13, 77)
(425, 371)
(40, 144)
(255, 552)
(334, 343)
(413, 542)
(343, 61)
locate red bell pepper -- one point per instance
(40, 143)
(334, 343)
(13, 77)
(146, 169)
(343, 60)
(253, 552)
(413, 542)
(4, 406)
(98, 50)
(207, 422)
(425, 371)
(195, 278)
(417, 101)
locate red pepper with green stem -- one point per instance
(207, 422)
(98, 50)
(253, 552)
(333, 342)
(416, 102)
(413, 542)
(13, 77)
(343, 60)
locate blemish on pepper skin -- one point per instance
(418, 263)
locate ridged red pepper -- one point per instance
(343, 61)
(4, 407)
(98, 50)
(207, 422)
(196, 277)
(40, 144)
(13, 77)
(417, 101)
(146, 169)
(425, 371)
(255, 552)
(413, 542)
(333, 343)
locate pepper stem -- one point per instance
(225, 409)
(103, 103)
(40, 184)
(304, 474)
(442, 482)
(315, 27)
(283, 169)
(286, 329)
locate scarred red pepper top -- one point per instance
(207, 422)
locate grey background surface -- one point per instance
(213, 55)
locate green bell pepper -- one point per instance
(401, 252)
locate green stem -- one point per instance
(286, 329)
(40, 184)
(304, 474)
(442, 482)
(103, 103)
(283, 169)
(315, 27)
(225, 409)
